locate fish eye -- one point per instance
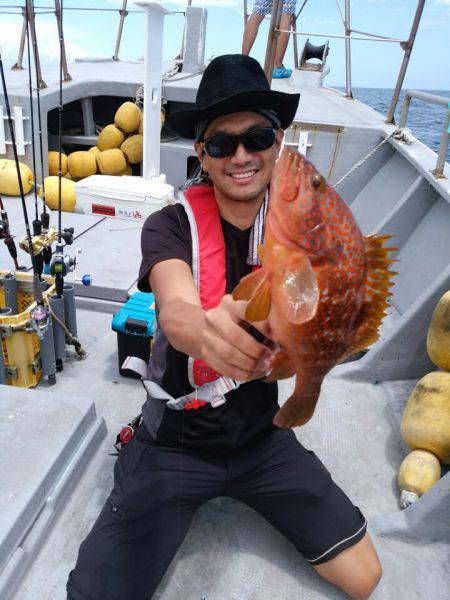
(317, 181)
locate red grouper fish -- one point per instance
(322, 285)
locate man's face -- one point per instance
(245, 175)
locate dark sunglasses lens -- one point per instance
(258, 140)
(219, 146)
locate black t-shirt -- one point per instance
(249, 410)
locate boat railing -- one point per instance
(432, 99)
(28, 15)
(348, 36)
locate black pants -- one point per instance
(157, 490)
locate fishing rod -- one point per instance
(45, 216)
(37, 225)
(61, 265)
(39, 315)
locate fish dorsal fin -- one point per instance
(298, 293)
(256, 288)
(376, 300)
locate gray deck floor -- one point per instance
(353, 432)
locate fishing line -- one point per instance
(60, 109)
(36, 282)
(36, 223)
(45, 220)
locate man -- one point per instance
(261, 8)
(194, 446)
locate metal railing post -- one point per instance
(18, 65)
(348, 66)
(30, 16)
(408, 49)
(405, 111)
(273, 39)
(67, 77)
(181, 55)
(245, 7)
(440, 164)
(123, 13)
(294, 41)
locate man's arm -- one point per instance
(214, 335)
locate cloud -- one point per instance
(47, 38)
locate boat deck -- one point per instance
(355, 430)
(322, 105)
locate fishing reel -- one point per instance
(39, 320)
(39, 242)
(61, 265)
(46, 239)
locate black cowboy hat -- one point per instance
(232, 83)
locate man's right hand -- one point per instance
(228, 348)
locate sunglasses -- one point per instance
(225, 144)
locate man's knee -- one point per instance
(363, 587)
(356, 570)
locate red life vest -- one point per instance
(208, 258)
(208, 264)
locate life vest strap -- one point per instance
(212, 393)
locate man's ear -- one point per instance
(279, 140)
(199, 150)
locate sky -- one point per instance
(374, 64)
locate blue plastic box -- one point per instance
(134, 324)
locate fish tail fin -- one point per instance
(299, 408)
(376, 300)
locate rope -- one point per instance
(81, 352)
(403, 134)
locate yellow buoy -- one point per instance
(132, 148)
(9, 182)
(110, 137)
(95, 151)
(127, 171)
(419, 471)
(53, 163)
(128, 117)
(438, 339)
(425, 423)
(51, 186)
(112, 162)
(161, 121)
(82, 164)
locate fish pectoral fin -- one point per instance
(248, 284)
(377, 294)
(299, 291)
(258, 308)
(256, 288)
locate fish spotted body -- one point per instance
(322, 285)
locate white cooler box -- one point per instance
(125, 197)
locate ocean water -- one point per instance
(424, 120)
